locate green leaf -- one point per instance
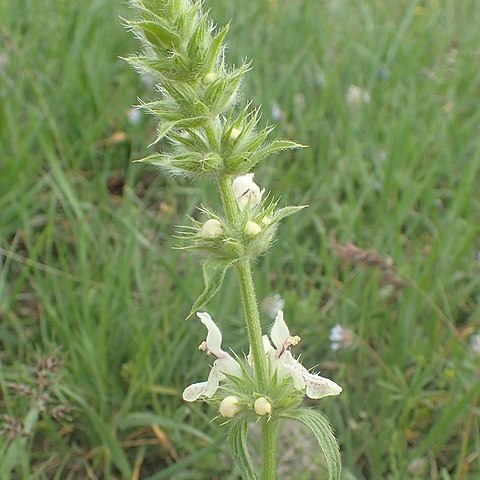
(213, 275)
(237, 441)
(323, 432)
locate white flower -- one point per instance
(223, 365)
(134, 115)
(276, 112)
(271, 305)
(356, 96)
(211, 228)
(283, 362)
(340, 337)
(246, 190)
(475, 344)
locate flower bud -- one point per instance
(211, 228)
(210, 77)
(252, 229)
(262, 406)
(229, 406)
(234, 134)
(266, 221)
(245, 190)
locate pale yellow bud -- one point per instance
(266, 221)
(252, 229)
(211, 228)
(262, 406)
(229, 406)
(234, 134)
(210, 77)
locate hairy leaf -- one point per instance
(213, 275)
(321, 429)
(237, 441)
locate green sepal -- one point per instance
(285, 212)
(237, 441)
(321, 429)
(158, 34)
(215, 48)
(213, 275)
(187, 163)
(221, 94)
(165, 127)
(271, 148)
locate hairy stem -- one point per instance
(254, 331)
(227, 196)
(269, 449)
(252, 321)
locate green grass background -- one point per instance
(93, 274)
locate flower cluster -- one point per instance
(283, 367)
(249, 235)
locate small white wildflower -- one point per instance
(271, 305)
(475, 344)
(285, 365)
(229, 406)
(262, 406)
(276, 113)
(340, 337)
(252, 229)
(210, 77)
(211, 228)
(246, 190)
(417, 467)
(223, 365)
(134, 115)
(356, 96)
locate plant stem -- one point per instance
(269, 448)
(228, 198)
(254, 331)
(252, 321)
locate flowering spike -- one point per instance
(204, 136)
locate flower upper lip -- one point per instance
(223, 365)
(283, 362)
